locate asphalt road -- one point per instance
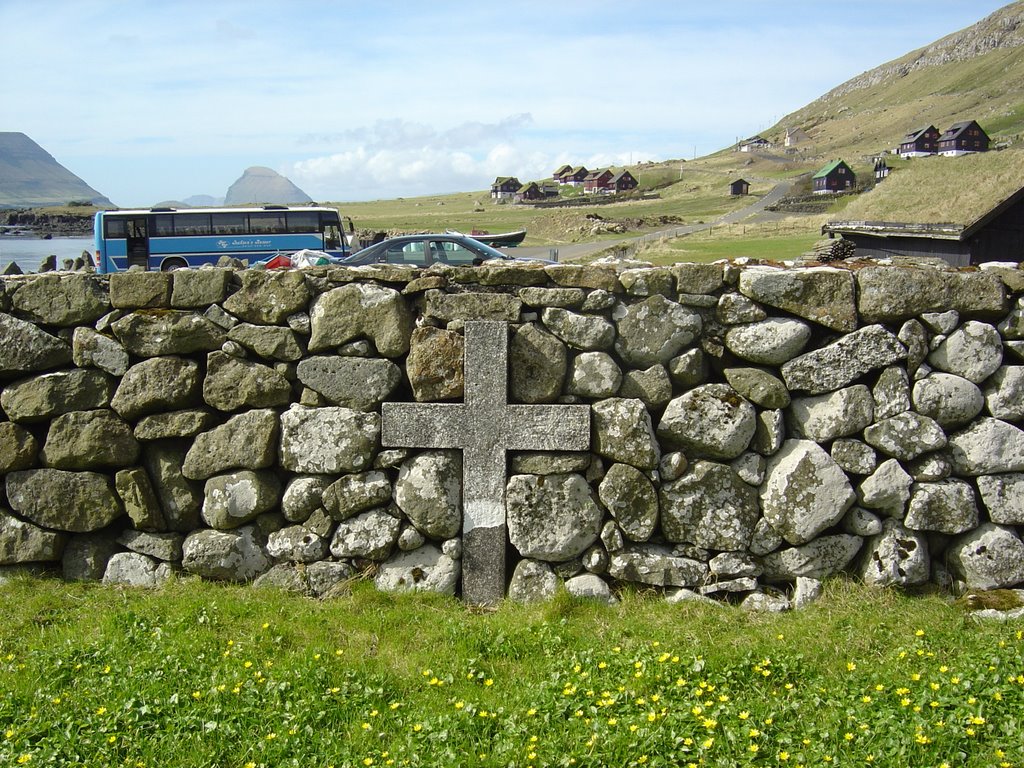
(575, 251)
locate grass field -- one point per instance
(205, 675)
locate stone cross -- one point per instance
(484, 427)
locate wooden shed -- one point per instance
(739, 187)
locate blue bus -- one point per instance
(167, 238)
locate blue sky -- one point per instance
(150, 101)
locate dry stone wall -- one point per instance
(734, 431)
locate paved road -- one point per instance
(576, 251)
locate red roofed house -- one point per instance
(597, 182)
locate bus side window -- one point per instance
(332, 236)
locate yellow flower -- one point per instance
(488, 682)
(22, 759)
(101, 711)
(919, 633)
(850, 666)
(744, 715)
(848, 736)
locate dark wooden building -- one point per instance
(505, 187)
(531, 191)
(961, 138)
(881, 169)
(561, 173)
(739, 187)
(597, 181)
(998, 235)
(835, 177)
(576, 176)
(623, 181)
(920, 143)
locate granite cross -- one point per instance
(484, 427)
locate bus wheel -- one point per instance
(169, 265)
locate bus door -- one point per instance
(137, 242)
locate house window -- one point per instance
(841, 170)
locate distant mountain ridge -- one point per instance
(263, 185)
(30, 177)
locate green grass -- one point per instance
(204, 675)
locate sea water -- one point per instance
(29, 252)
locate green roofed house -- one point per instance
(835, 177)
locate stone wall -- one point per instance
(737, 431)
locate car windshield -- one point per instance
(422, 250)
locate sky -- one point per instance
(154, 101)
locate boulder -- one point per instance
(890, 293)
(25, 348)
(328, 440)
(551, 517)
(532, 582)
(854, 456)
(159, 384)
(232, 384)
(429, 492)
(371, 535)
(549, 462)
(896, 557)
(180, 498)
(91, 349)
(590, 586)
(86, 556)
(18, 448)
(597, 277)
(326, 576)
(951, 400)
(594, 375)
(735, 308)
(537, 364)
(133, 569)
(804, 492)
(162, 546)
(622, 432)
(817, 559)
(434, 366)
(711, 507)
(711, 421)
(859, 522)
(823, 295)
(165, 426)
(297, 544)
(232, 500)
(915, 338)
(836, 414)
(987, 447)
(652, 386)
(60, 500)
(1004, 393)
(768, 342)
(196, 288)
(351, 494)
(566, 298)
(631, 499)
(905, 436)
(989, 557)
(22, 542)
(245, 441)
(843, 361)
(472, 306)
(758, 386)
(361, 383)
(61, 300)
(268, 297)
(887, 489)
(52, 394)
(160, 332)
(654, 330)
(268, 341)
(89, 440)
(1003, 497)
(647, 281)
(655, 565)
(236, 556)
(426, 569)
(945, 506)
(586, 332)
(133, 290)
(974, 351)
(891, 392)
(139, 499)
(356, 311)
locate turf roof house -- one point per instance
(623, 181)
(569, 175)
(997, 235)
(531, 191)
(505, 187)
(920, 143)
(597, 181)
(963, 138)
(835, 177)
(561, 173)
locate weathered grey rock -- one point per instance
(286, 577)
(180, 498)
(232, 500)
(372, 535)
(711, 420)
(915, 338)
(672, 466)
(296, 544)
(566, 298)
(234, 555)
(532, 582)
(195, 288)
(711, 507)
(768, 342)
(896, 557)
(835, 414)
(765, 538)
(216, 315)
(164, 426)
(268, 341)
(594, 374)
(159, 384)
(86, 555)
(586, 332)
(652, 386)
(941, 322)
(735, 308)
(426, 569)
(906, 435)
(989, 557)
(89, 440)
(434, 367)
(841, 362)
(769, 432)
(1004, 393)
(759, 386)
(549, 462)
(18, 448)
(655, 565)
(91, 349)
(729, 586)
(974, 351)
(303, 495)
(898, 293)
(232, 384)
(946, 506)
(654, 330)
(472, 306)
(61, 300)
(821, 294)
(42, 397)
(731, 565)
(859, 522)
(592, 276)
(161, 546)
(595, 559)
(749, 467)
(597, 300)
(684, 595)
(328, 440)
(766, 602)
(245, 441)
(805, 492)
(354, 382)
(1012, 326)
(326, 576)
(410, 539)
(647, 281)
(698, 278)
(806, 591)
(351, 494)
(931, 466)
(429, 492)
(887, 489)
(951, 400)
(688, 369)
(155, 333)
(63, 501)
(133, 290)
(553, 517)
(854, 457)
(537, 364)
(267, 297)
(987, 447)
(133, 569)
(1003, 497)
(817, 559)
(22, 542)
(622, 432)
(891, 392)
(25, 348)
(611, 537)
(632, 500)
(357, 310)
(590, 586)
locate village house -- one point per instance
(963, 138)
(623, 181)
(576, 176)
(531, 191)
(597, 181)
(881, 169)
(920, 143)
(505, 187)
(754, 144)
(560, 174)
(835, 177)
(739, 187)
(795, 136)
